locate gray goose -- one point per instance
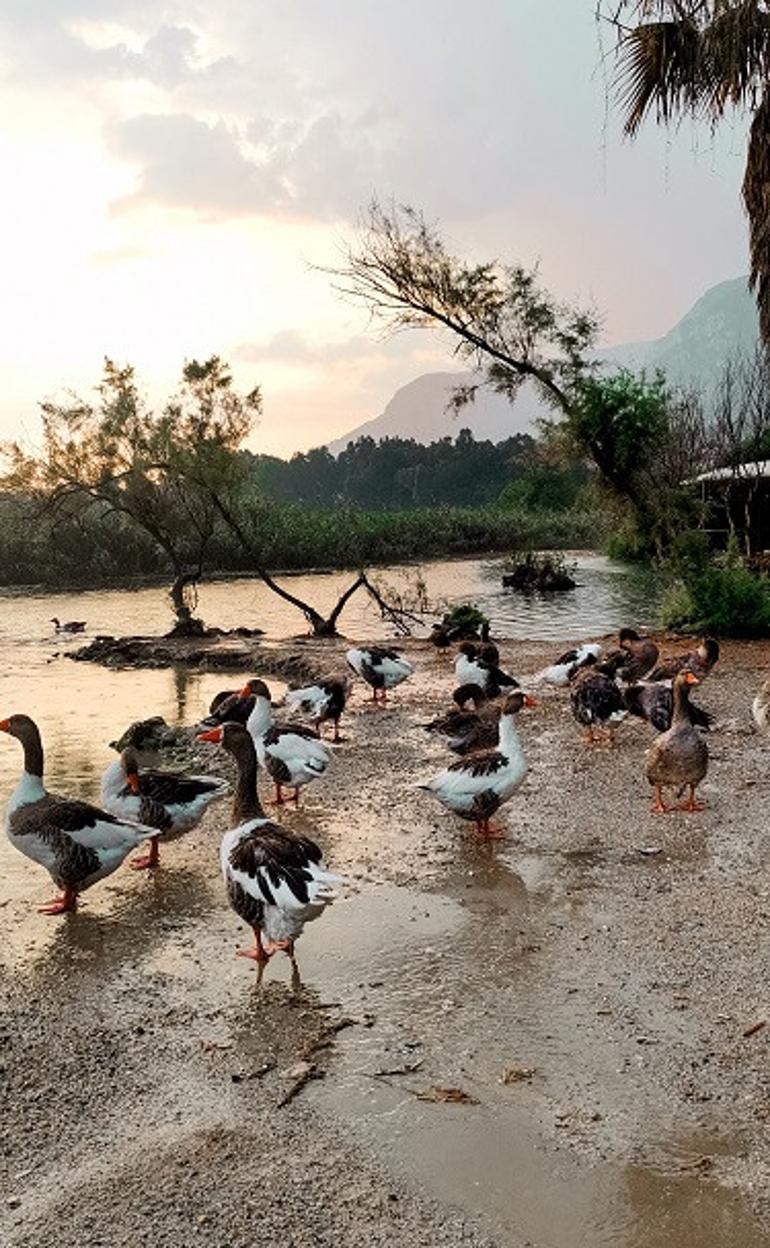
(168, 801)
(680, 756)
(77, 843)
(274, 878)
(72, 626)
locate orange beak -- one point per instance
(213, 734)
(691, 678)
(530, 701)
(245, 692)
(5, 725)
(132, 780)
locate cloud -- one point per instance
(313, 173)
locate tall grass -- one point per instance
(287, 537)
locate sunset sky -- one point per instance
(172, 171)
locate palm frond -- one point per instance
(659, 68)
(756, 197)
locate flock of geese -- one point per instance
(275, 878)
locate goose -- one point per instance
(700, 661)
(477, 785)
(597, 702)
(472, 669)
(679, 756)
(468, 730)
(322, 702)
(233, 705)
(655, 703)
(291, 754)
(72, 626)
(640, 655)
(275, 879)
(569, 664)
(168, 801)
(760, 708)
(382, 669)
(77, 843)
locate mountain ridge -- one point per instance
(722, 323)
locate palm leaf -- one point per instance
(660, 68)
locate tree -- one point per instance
(501, 319)
(647, 441)
(160, 470)
(703, 59)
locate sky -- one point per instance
(175, 173)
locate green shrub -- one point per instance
(721, 597)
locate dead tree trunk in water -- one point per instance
(186, 624)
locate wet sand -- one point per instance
(142, 1067)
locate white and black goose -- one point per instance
(77, 843)
(472, 669)
(478, 785)
(323, 703)
(275, 879)
(169, 801)
(381, 669)
(569, 664)
(292, 755)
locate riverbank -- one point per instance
(609, 961)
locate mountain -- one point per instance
(719, 326)
(419, 410)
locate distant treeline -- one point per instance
(398, 473)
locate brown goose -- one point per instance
(678, 757)
(72, 626)
(468, 730)
(168, 801)
(641, 655)
(77, 843)
(274, 878)
(655, 703)
(231, 705)
(700, 661)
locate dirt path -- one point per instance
(142, 1068)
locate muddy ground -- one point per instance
(600, 1006)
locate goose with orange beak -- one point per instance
(168, 801)
(275, 879)
(477, 786)
(291, 754)
(77, 843)
(678, 758)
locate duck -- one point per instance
(380, 668)
(323, 702)
(655, 703)
(597, 702)
(760, 708)
(569, 664)
(472, 669)
(678, 757)
(468, 730)
(169, 801)
(76, 842)
(476, 786)
(292, 755)
(72, 626)
(275, 879)
(233, 705)
(700, 661)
